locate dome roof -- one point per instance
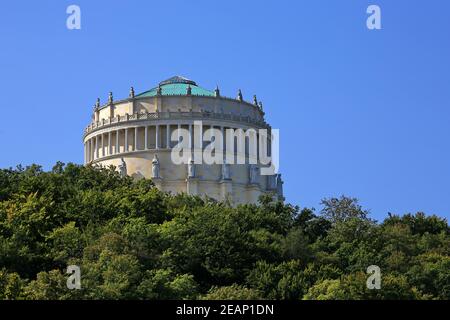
(176, 86)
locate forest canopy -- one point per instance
(132, 241)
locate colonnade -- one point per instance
(142, 138)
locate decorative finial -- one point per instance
(189, 90)
(260, 106)
(132, 92)
(239, 97)
(255, 100)
(159, 90)
(97, 104)
(217, 91)
(110, 98)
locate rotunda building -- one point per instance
(142, 135)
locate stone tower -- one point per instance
(140, 134)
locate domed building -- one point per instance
(141, 134)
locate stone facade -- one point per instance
(130, 134)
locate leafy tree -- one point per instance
(287, 280)
(420, 223)
(342, 209)
(233, 292)
(431, 274)
(50, 285)
(11, 285)
(353, 287)
(132, 241)
(163, 284)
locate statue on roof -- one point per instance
(217, 92)
(97, 105)
(239, 97)
(255, 100)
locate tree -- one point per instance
(233, 292)
(163, 284)
(11, 285)
(420, 223)
(133, 241)
(50, 285)
(342, 209)
(353, 287)
(287, 280)
(431, 274)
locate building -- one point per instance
(137, 136)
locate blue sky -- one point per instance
(361, 113)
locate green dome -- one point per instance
(176, 86)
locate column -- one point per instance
(157, 137)
(117, 142)
(109, 144)
(146, 138)
(86, 158)
(103, 145)
(126, 140)
(168, 136)
(135, 139)
(96, 147)
(92, 149)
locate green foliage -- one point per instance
(132, 241)
(163, 284)
(353, 287)
(288, 280)
(233, 292)
(11, 285)
(342, 209)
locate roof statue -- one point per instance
(239, 96)
(97, 104)
(255, 100)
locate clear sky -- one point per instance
(365, 113)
